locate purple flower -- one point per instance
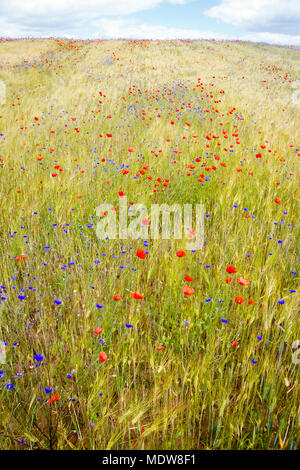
(38, 357)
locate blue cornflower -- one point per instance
(38, 357)
(10, 386)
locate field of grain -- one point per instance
(144, 344)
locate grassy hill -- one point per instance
(86, 123)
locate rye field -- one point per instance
(143, 343)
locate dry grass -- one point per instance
(199, 392)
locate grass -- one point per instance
(199, 391)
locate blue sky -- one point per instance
(273, 21)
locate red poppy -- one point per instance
(140, 253)
(54, 398)
(137, 295)
(239, 300)
(231, 269)
(98, 331)
(188, 278)
(180, 254)
(188, 290)
(243, 281)
(103, 356)
(117, 297)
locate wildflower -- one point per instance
(103, 356)
(231, 269)
(54, 398)
(38, 357)
(181, 253)
(137, 295)
(140, 253)
(10, 386)
(243, 281)
(98, 331)
(239, 300)
(188, 290)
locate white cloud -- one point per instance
(122, 28)
(90, 8)
(129, 29)
(266, 16)
(44, 17)
(273, 21)
(273, 38)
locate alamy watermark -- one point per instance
(2, 92)
(2, 352)
(155, 224)
(296, 352)
(2, 343)
(296, 93)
